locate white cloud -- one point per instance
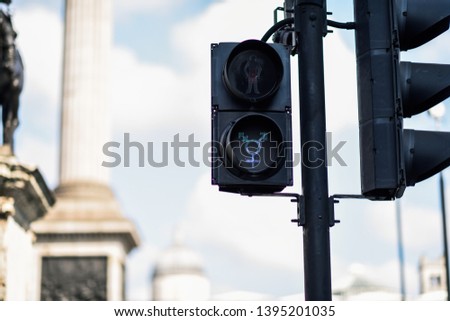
(257, 228)
(420, 226)
(340, 84)
(148, 97)
(232, 20)
(40, 45)
(126, 7)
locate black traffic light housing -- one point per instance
(393, 158)
(380, 127)
(251, 117)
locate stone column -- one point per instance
(85, 123)
(83, 241)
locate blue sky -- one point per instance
(160, 88)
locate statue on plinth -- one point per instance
(11, 77)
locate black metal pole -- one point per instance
(444, 227)
(310, 25)
(401, 256)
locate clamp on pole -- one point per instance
(300, 200)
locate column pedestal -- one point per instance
(24, 198)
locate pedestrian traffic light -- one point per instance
(393, 158)
(251, 117)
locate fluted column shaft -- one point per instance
(85, 123)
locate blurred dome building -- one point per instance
(179, 275)
(358, 285)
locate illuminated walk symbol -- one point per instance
(253, 148)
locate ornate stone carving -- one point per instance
(74, 279)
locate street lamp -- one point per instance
(437, 113)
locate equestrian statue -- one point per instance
(11, 77)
